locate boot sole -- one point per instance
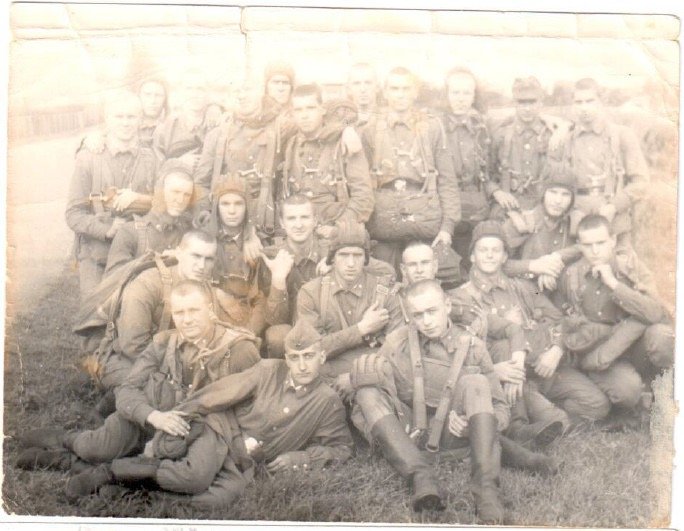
(431, 502)
(549, 434)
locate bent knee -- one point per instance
(625, 390)
(659, 340)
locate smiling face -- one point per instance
(304, 365)
(557, 200)
(460, 93)
(177, 193)
(192, 314)
(123, 118)
(308, 114)
(400, 92)
(429, 311)
(348, 263)
(418, 262)
(489, 255)
(298, 221)
(597, 245)
(232, 209)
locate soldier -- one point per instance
(456, 380)
(362, 89)
(236, 279)
(162, 228)
(549, 375)
(181, 134)
(319, 164)
(153, 94)
(540, 240)
(469, 143)
(524, 150)
(279, 80)
(616, 322)
(108, 187)
(416, 191)
(606, 160)
(176, 363)
(352, 308)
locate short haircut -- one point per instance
(310, 89)
(593, 221)
(296, 199)
(187, 287)
(121, 98)
(403, 72)
(177, 167)
(424, 286)
(414, 245)
(587, 83)
(459, 71)
(198, 235)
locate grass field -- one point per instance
(606, 479)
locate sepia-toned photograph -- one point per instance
(296, 264)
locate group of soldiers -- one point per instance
(256, 283)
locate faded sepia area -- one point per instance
(66, 59)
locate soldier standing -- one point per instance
(362, 89)
(154, 98)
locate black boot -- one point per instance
(538, 434)
(135, 468)
(43, 438)
(485, 459)
(406, 459)
(50, 458)
(516, 456)
(88, 481)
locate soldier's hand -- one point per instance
(509, 372)
(546, 282)
(608, 211)
(547, 362)
(323, 268)
(513, 392)
(94, 142)
(442, 237)
(280, 267)
(549, 264)
(606, 274)
(326, 231)
(506, 200)
(288, 461)
(458, 425)
(171, 422)
(343, 386)
(252, 248)
(116, 225)
(124, 198)
(373, 320)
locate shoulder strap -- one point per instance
(289, 149)
(167, 280)
(265, 207)
(325, 295)
(419, 407)
(617, 169)
(220, 152)
(437, 423)
(140, 225)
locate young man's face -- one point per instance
(232, 210)
(196, 259)
(557, 201)
(362, 87)
(586, 105)
(152, 96)
(192, 315)
(304, 365)
(597, 245)
(279, 88)
(528, 109)
(248, 98)
(177, 193)
(460, 93)
(418, 263)
(429, 311)
(400, 92)
(123, 119)
(298, 221)
(348, 263)
(489, 255)
(307, 113)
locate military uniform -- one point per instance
(409, 155)
(612, 331)
(175, 137)
(87, 214)
(608, 163)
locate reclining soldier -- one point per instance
(433, 373)
(279, 412)
(540, 240)
(351, 307)
(616, 325)
(538, 372)
(175, 364)
(162, 228)
(108, 187)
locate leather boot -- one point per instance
(135, 468)
(50, 458)
(87, 482)
(485, 458)
(538, 434)
(43, 438)
(407, 460)
(515, 456)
